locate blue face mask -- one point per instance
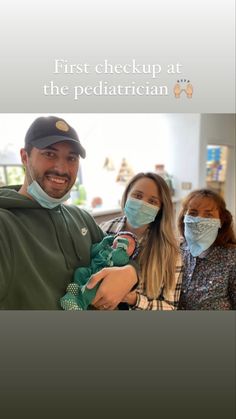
(46, 201)
(200, 233)
(139, 213)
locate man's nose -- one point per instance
(61, 166)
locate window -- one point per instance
(11, 175)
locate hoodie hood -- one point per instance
(10, 198)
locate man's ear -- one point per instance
(24, 156)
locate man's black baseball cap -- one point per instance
(49, 130)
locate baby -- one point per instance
(111, 251)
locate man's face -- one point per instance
(55, 168)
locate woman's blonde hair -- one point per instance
(158, 254)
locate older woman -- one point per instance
(148, 213)
(209, 253)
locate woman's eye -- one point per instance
(137, 195)
(192, 213)
(153, 202)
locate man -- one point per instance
(42, 240)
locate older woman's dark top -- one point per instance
(209, 280)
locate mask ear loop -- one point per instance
(29, 171)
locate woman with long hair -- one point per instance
(148, 213)
(209, 253)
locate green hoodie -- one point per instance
(39, 251)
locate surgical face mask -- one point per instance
(200, 233)
(139, 213)
(46, 201)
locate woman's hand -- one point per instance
(116, 284)
(130, 298)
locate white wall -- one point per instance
(184, 147)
